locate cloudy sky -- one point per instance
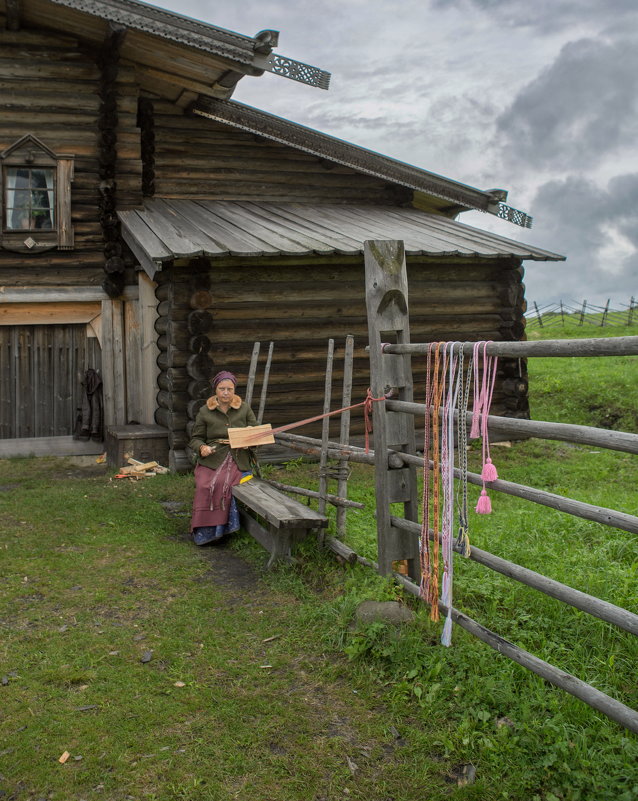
(539, 98)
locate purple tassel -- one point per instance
(484, 505)
(489, 471)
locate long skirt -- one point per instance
(214, 509)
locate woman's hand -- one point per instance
(206, 450)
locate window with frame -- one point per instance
(36, 197)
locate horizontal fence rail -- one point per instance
(614, 709)
(615, 346)
(565, 432)
(586, 511)
(596, 607)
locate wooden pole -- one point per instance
(631, 310)
(264, 386)
(538, 315)
(614, 709)
(335, 500)
(611, 346)
(603, 610)
(386, 285)
(605, 312)
(344, 435)
(325, 431)
(252, 372)
(564, 432)
(582, 313)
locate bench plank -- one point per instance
(278, 509)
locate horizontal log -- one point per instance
(603, 610)
(564, 432)
(559, 678)
(174, 421)
(335, 500)
(174, 401)
(174, 380)
(341, 550)
(586, 511)
(312, 446)
(611, 346)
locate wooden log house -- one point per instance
(153, 229)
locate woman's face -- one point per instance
(224, 391)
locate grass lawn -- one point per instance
(171, 672)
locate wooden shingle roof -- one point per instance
(166, 229)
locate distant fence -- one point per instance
(551, 315)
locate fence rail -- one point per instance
(550, 315)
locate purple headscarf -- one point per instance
(223, 375)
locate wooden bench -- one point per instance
(276, 521)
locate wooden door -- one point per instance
(41, 368)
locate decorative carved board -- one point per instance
(250, 436)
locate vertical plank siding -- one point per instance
(42, 367)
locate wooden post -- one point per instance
(113, 378)
(148, 347)
(605, 312)
(252, 372)
(325, 428)
(264, 385)
(539, 315)
(388, 320)
(582, 313)
(344, 435)
(631, 310)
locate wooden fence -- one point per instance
(396, 461)
(555, 315)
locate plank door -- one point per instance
(41, 367)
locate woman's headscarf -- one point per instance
(223, 375)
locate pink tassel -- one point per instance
(489, 471)
(484, 505)
(475, 430)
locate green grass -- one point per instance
(595, 391)
(95, 574)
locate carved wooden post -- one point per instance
(388, 321)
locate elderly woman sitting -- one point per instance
(218, 467)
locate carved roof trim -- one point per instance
(322, 145)
(169, 25)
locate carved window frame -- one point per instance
(29, 152)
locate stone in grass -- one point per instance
(391, 612)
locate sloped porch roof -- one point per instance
(167, 229)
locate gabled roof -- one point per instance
(172, 50)
(165, 230)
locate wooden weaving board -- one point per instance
(250, 436)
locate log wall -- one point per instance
(223, 163)
(208, 321)
(50, 87)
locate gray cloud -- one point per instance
(598, 231)
(579, 110)
(548, 17)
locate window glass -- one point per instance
(30, 199)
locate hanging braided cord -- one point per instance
(463, 535)
(424, 550)
(439, 370)
(447, 468)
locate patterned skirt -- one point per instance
(214, 509)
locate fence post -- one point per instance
(344, 436)
(386, 285)
(606, 311)
(539, 315)
(631, 310)
(582, 313)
